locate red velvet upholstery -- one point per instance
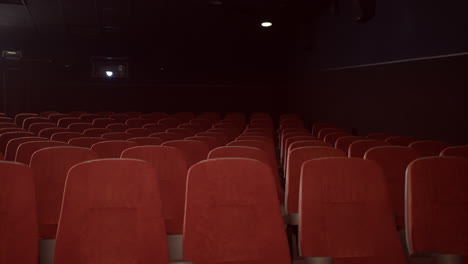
(212, 116)
(88, 117)
(18, 226)
(13, 145)
(155, 128)
(166, 136)
(316, 127)
(19, 118)
(119, 118)
(302, 143)
(11, 129)
(261, 138)
(211, 141)
(232, 134)
(5, 137)
(290, 125)
(105, 114)
(289, 139)
(48, 132)
(437, 205)
(196, 128)
(205, 123)
(50, 166)
(194, 151)
(296, 158)
(27, 149)
(117, 127)
(325, 131)
(343, 143)
(262, 145)
(66, 136)
(137, 122)
(77, 113)
(96, 132)
(8, 125)
(37, 127)
(358, 148)
(184, 116)
(333, 137)
(285, 136)
(111, 213)
(28, 122)
(257, 133)
(232, 214)
(249, 153)
(147, 141)
(379, 136)
(401, 141)
(259, 130)
(85, 142)
(139, 132)
(6, 120)
(345, 213)
(182, 132)
(66, 121)
(170, 122)
(133, 114)
(79, 127)
(223, 138)
(117, 136)
(459, 151)
(103, 122)
(112, 149)
(155, 116)
(47, 113)
(429, 148)
(394, 160)
(230, 126)
(171, 171)
(54, 118)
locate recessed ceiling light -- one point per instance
(267, 24)
(109, 73)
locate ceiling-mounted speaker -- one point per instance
(367, 8)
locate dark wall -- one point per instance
(424, 98)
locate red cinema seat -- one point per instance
(48, 132)
(232, 134)
(333, 137)
(401, 141)
(111, 213)
(291, 138)
(27, 149)
(103, 122)
(137, 122)
(357, 149)
(170, 122)
(394, 160)
(19, 118)
(6, 120)
(182, 132)
(261, 115)
(230, 126)
(344, 142)
(96, 132)
(5, 137)
(261, 138)
(37, 127)
(437, 206)
(184, 116)
(265, 146)
(50, 166)
(460, 151)
(147, 141)
(249, 153)
(89, 117)
(155, 128)
(223, 138)
(289, 116)
(8, 125)
(303, 143)
(117, 127)
(155, 116)
(85, 142)
(171, 172)
(13, 145)
(79, 127)
(105, 114)
(19, 236)
(3, 115)
(65, 136)
(316, 127)
(379, 136)
(133, 114)
(211, 141)
(286, 136)
(54, 118)
(138, 132)
(205, 123)
(213, 116)
(10, 129)
(429, 148)
(77, 113)
(196, 128)
(289, 124)
(238, 219)
(166, 136)
(46, 114)
(65, 122)
(194, 151)
(296, 159)
(325, 131)
(28, 122)
(112, 149)
(345, 213)
(119, 118)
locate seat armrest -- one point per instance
(313, 260)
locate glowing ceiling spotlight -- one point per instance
(109, 73)
(267, 24)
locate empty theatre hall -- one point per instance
(233, 132)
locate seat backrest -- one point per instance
(111, 213)
(117, 127)
(13, 145)
(103, 122)
(37, 127)
(171, 172)
(120, 118)
(96, 132)
(223, 138)
(6, 120)
(211, 141)
(66, 136)
(296, 159)
(344, 142)
(394, 160)
(147, 141)
(79, 127)
(155, 128)
(66, 121)
(437, 205)
(19, 238)
(302, 143)
(5, 137)
(316, 127)
(19, 118)
(331, 138)
(8, 125)
(232, 214)
(48, 132)
(345, 212)
(325, 131)
(54, 118)
(112, 148)
(117, 136)
(28, 122)
(379, 136)
(88, 117)
(194, 151)
(401, 141)
(459, 151)
(286, 136)
(137, 122)
(85, 142)
(288, 139)
(155, 116)
(428, 148)
(139, 132)
(196, 128)
(166, 136)
(358, 148)
(50, 166)
(170, 122)
(27, 149)
(182, 132)
(249, 137)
